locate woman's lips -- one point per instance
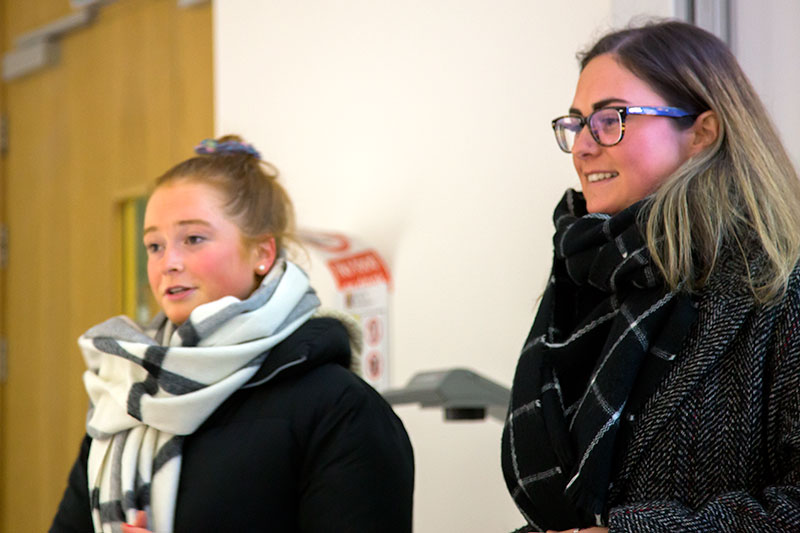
(178, 292)
(593, 177)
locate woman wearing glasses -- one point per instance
(659, 387)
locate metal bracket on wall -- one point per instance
(3, 135)
(3, 361)
(192, 3)
(3, 246)
(38, 48)
(460, 392)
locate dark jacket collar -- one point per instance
(317, 342)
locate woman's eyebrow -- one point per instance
(188, 222)
(599, 105)
(193, 221)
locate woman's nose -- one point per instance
(173, 260)
(585, 144)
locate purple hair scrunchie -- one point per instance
(212, 146)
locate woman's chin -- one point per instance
(177, 316)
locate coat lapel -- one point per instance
(720, 318)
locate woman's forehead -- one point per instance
(604, 81)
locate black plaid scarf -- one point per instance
(606, 331)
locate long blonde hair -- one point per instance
(742, 193)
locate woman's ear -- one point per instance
(265, 253)
(704, 132)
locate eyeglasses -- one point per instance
(607, 124)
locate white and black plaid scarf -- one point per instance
(150, 387)
(606, 331)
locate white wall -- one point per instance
(423, 127)
(767, 44)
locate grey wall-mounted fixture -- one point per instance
(463, 394)
(192, 3)
(39, 48)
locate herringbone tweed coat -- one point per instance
(717, 448)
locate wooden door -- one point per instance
(130, 95)
(3, 112)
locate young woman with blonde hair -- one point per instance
(659, 387)
(235, 409)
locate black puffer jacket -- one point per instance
(309, 447)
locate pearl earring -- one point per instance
(261, 268)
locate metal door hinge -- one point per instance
(3, 361)
(3, 246)
(3, 134)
